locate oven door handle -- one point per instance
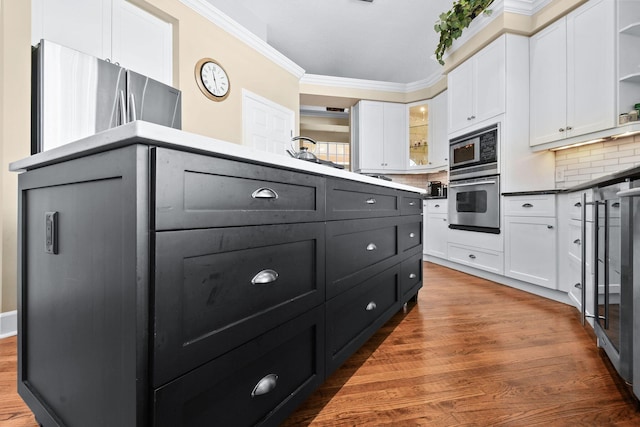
(467, 184)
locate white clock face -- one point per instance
(214, 79)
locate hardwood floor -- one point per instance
(469, 353)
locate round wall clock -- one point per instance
(212, 79)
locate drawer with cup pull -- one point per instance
(410, 235)
(410, 276)
(259, 383)
(349, 200)
(355, 315)
(359, 248)
(411, 204)
(437, 206)
(531, 205)
(198, 191)
(217, 288)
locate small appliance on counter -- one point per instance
(75, 95)
(436, 189)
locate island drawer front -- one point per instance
(410, 234)
(350, 200)
(358, 248)
(411, 275)
(353, 316)
(198, 191)
(259, 383)
(411, 204)
(217, 288)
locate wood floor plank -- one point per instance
(469, 353)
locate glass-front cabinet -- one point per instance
(419, 134)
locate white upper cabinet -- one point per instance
(572, 74)
(428, 143)
(439, 141)
(476, 88)
(379, 137)
(109, 29)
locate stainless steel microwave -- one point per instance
(474, 154)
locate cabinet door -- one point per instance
(438, 141)
(489, 81)
(83, 25)
(548, 83)
(395, 136)
(460, 95)
(530, 250)
(591, 68)
(371, 135)
(436, 235)
(142, 42)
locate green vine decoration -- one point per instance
(452, 23)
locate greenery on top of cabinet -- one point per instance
(452, 23)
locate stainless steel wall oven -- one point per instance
(474, 187)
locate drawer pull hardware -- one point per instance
(550, 227)
(578, 285)
(371, 306)
(577, 205)
(371, 201)
(264, 277)
(412, 203)
(412, 235)
(413, 276)
(264, 193)
(472, 256)
(265, 385)
(371, 247)
(436, 206)
(577, 242)
(527, 205)
(615, 205)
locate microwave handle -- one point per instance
(467, 184)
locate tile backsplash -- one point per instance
(420, 180)
(581, 164)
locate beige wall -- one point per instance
(15, 71)
(194, 38)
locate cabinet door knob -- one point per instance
(561, 130)
(472, 256)
(371, 201)
(264, 277)
(569, 128)
(264, 193)
(413, 276)
(265, 385)
(371, 306)
(371, 247)
(412, 235)
(527, 205)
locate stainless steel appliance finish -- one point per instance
(75, 95)
(613, 275)
(474, 204)
(630, 223)
(474, 154)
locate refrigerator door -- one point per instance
(75, 96)
(152, 101)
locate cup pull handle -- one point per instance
(371, 306)
(577, 242)
(436, 206)
(472, 256)
(371, 201)
(371, 247)
(577, 205)
(527, 205)
(412, 203)
(265, 385)
(264, 277)
(413, 276)
(264, 193)
(412, 235)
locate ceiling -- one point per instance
(383, 40)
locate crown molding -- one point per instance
(213, 14)
(350, 83)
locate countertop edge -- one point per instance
(161, 136)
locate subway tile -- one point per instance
(606, 162)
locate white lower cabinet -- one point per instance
(436, 228)
(531, 250)
(483, 259)
(531, 242)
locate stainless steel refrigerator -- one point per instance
(75, 95)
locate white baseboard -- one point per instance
(8, 324)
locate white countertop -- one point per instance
(162, 136)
